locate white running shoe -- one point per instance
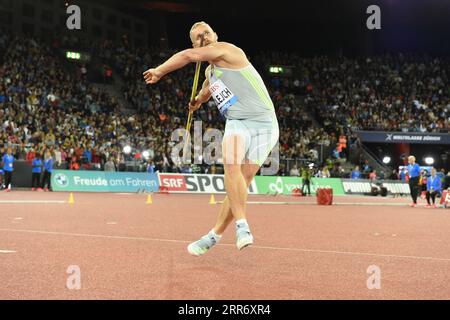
(201, 246)
(244, 237)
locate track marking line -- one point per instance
(314, 203)
(112, 222)
(229, 245)
(31, 201)
(18, 218)
(369, 204)
(7, 251)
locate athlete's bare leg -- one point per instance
(235, 184)
(225, 216)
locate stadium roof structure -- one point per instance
(325, 10)
(252, 10)
(407, 25)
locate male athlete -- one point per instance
(251, 129)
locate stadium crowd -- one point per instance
(44, 106)
(49, 108)
(393, 92)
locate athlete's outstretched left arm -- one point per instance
(209, 53)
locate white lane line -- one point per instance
(314, 203)
(18, 218)
(31, 201)
(275, 202)
(7, 251)
(112, 222)
(369, 204)
(229, 245)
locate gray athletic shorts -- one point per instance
(260, 136)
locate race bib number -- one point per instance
(222, 95)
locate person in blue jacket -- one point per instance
(2, 173)
(150, 167)
(36, 170)
(48, 168)
(356, 174)
(434, 187)
(413, 173)
(8, 168)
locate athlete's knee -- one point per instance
(248, 176)
(231, 169)
(248, 179)
(249, 171)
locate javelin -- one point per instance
(193, 93)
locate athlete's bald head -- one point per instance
(200, 29)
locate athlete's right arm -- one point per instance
(203, 96)
(211, 52)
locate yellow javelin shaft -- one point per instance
(193, 93)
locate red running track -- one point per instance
(127, 249)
